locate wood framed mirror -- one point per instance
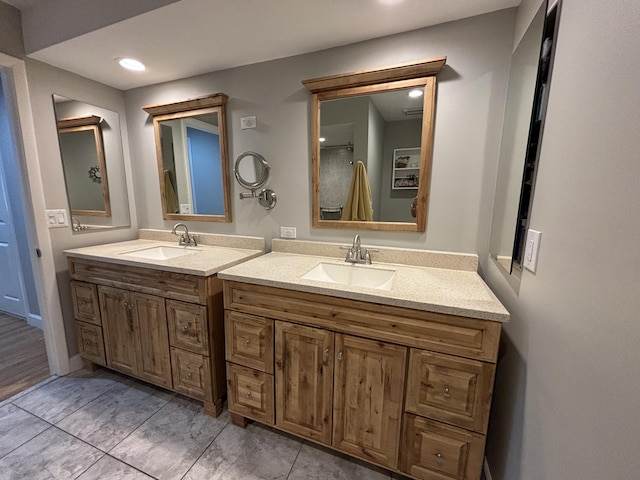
(372, 144)
(193, 166)
(85, 169)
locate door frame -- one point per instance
(14, 69)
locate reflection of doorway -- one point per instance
(206, 171)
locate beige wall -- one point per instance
(567, 391)
(470, 104)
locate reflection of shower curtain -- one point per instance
(173, 206)
(358, 205)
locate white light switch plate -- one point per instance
(531, 249)
(57, 218)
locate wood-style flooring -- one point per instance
(23, 358)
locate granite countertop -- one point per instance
(204, 260)
(441, 290)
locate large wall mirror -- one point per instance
(191, 144)
(93, 165)
(371, 143)
(521, 137)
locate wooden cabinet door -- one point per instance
(304, 380)
(369, 390)
(119, 329)
(152, 352)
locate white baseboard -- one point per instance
(35, 321)
(485, 469)
(75, 363)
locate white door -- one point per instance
(12, 296)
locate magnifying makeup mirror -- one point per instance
(252, 172)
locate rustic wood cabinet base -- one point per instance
(403, 389)
(162, 327)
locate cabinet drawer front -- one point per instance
(451, 389)
(251, 393)
(90, 342)
(462, 336)
(85, 302)
(188, 327)
(249, 341)
(191, 374)
(432, 450)
(179, 286)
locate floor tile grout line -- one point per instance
(138, 427)
(302, 444)
(206, 448)
(25, 442)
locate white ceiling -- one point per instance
(191, 37)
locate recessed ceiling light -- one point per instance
(322, 139)
(131, 64)
(415, 93)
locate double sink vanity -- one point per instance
(392, 362)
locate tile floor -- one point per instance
(101, 425)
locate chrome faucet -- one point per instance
(76, 226)
(186, 238)
(355, 253)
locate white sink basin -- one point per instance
(352, 275)
(160, 252)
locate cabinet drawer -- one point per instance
(435, 451)
(451, 389)
(249, 341)
(191, 374)
(251, 393)
(188, 327)
(85, 302)
(90, 342)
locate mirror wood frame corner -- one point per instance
(421, 74)
(211, 104)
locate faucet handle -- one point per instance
(367, 255)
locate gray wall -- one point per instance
(11, 31)
(470, 104)
(567, 391)
(44, 81)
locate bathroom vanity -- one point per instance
(153, 310)
(396, 372)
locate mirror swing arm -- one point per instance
(365, 82)
(203, 106)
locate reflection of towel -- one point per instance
(358, 206)
(173, 206)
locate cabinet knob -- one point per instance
(81, 303)
(248, 394)
(246, 341)
(339, 355)
(326, 352)
(439, 458)
(446, 393)
(185, 328)
(189, 375)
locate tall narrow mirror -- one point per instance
(192, 159)
(521, 137)
(93, 165)
(372, 138)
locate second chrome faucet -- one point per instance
(355, 253)
(186, 239)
